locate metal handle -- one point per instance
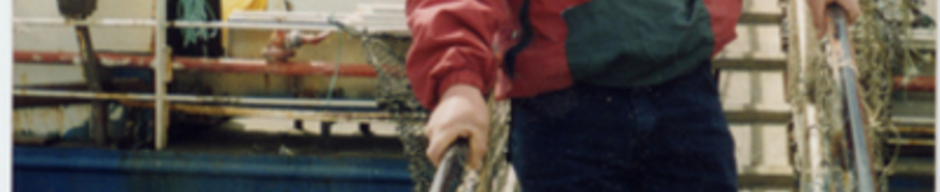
(840, 32)
(856, 129)
(450, 172)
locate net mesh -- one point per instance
(881, 38)
(386, 53)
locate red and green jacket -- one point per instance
(528, 47)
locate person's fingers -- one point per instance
(277, 54)
(319, 37)
(277, 38)
(438, 145)
(478, 147)
(852, 9)
(818, 10)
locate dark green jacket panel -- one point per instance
(630, 43)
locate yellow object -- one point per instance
(230, 6)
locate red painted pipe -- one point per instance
(204, 64)
(918, 83)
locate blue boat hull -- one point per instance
(98, 170)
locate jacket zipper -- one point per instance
(512, 53)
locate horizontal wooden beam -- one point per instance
(750, 64)
(758, 117)
(760, 18)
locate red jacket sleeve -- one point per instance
(451, 45)
(724, 18)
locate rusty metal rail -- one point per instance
(919, 83)
(912, 142)
(302, 114)
(203, 64)
(362, 104)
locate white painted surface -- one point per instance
(931, 8)
(762, 90)
(54, 120)
(379, 128)
(62, 38)
(761, 6)
(6, 102)
(336, 6)
(761, 149)
(755, 41)
(47, 74)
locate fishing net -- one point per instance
(195, 10)
(881, 38)
(386, 53)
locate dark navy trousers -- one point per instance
(670, 137)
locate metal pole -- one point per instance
(450, 172)
(78, 10)
(863, 165)
(94, 77)
(161, 114)
(259, 25)
(278, 102)
(108, 22)
(234, 65)
(813, 178)
(368, 104)
(856, 137)
(254, 25)
(304, 114)
(919, 121)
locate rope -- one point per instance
(339, 57)
(881, 49)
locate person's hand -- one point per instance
(462, 113)
(312, 39)
(821, 17)
(276, 51)
(283, 45)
